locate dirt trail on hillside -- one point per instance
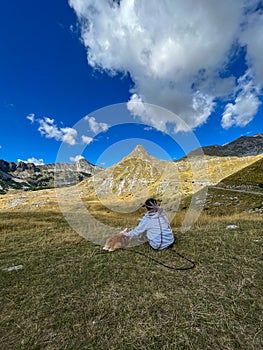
(233, 190)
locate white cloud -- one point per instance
(76, 158)
(96, 127)
(31, 117)
(148, 128)
(148, 113)
(251, 37)
(33, 160)
(174, 51)
(160, 118)
(69, 135)
(49, 129)
(1, 146)
(86, 139)
(245, 106)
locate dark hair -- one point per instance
(150, 202)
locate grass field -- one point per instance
(72, 295)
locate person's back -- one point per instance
(155, 225)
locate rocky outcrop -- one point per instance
(242, 147)
(30, 176)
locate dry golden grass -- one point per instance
(69, 295)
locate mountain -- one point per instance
(125, 186)
(28, 176)
(130, 177)
(140, 175)
(242, 147)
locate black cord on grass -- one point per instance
(167, 266)
(103, 252)
(193, 264)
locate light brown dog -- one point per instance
(118, 241)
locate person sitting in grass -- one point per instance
(154, 226)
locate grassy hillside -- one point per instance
(71, 295)
(249, 178)
(220, 203)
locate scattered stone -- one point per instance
(200, 201)
(231, 227)
(16, 202)
(13, 268)
(255, 210)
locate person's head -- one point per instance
(151, 204)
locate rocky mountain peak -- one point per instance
(84, 165)
(139, 151)
(242, 147)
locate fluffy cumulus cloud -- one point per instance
(251, 38)
(178, 54)
(86, 139)
(96, 127)
(49, 129)
(33, 160)
(76, 158)
(69, 135)
(245, 105)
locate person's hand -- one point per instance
(125, 231)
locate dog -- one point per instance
(118, 241)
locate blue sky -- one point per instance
(62, 63)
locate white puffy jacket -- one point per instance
(157, 228)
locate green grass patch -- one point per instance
(249, 178)
(72, 295)
(221, 203)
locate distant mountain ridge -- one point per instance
(138, 171)
(242, 147)
(28, 176)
